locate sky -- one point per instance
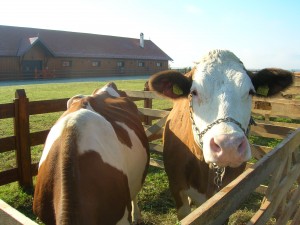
(262, 33)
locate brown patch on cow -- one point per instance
(192, 170)
(121, 110)
(44, 188)
(75, 106)
(103, 191)
(114, 109)
(56, 183)
(191, 73)
(83, 190)
(184, 160)
(114, 86)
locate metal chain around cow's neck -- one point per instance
(219, 174)
(219, 171)
(218, 121)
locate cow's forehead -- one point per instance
(221, 66)
(219, 56)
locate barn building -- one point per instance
(27, 53)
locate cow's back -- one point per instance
(87, 173)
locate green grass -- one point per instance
(18, 198)
(269, 142)
(37, 92)
(155, 199)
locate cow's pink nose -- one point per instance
(228, 145)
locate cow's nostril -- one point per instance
(242, 146)
(214, 146)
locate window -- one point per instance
(141, 64)
(159, 64)
(120, 64)
(96, 63)
(66, 63)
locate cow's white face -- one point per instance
(221, 88)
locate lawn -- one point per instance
(155, 200)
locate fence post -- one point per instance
(147, 104)
(22, 132)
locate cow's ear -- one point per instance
(268, 82)
(75, 98)
(171, 84)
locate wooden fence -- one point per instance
(22, 141)
(282, 164)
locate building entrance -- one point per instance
(31, 67)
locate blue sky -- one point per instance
(262, 33)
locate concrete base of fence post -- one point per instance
(10, 216)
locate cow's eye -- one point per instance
(194, 92)
(251, 92)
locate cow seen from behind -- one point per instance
(94, 162)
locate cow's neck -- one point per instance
(215, 180)
(219, 173)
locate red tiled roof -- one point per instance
(16, 41)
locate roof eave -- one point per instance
(30, 46)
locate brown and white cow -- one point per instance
(94, 162)
(208, 125)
